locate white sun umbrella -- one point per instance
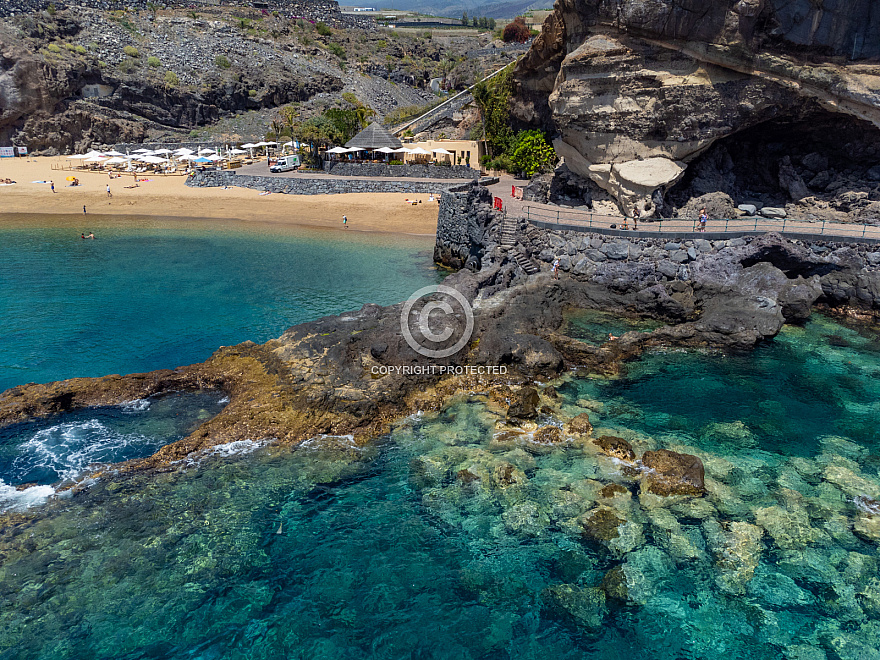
(249, 145)
(139, 151)
(418, 151)
(159, 152)
(113, 154)
(442, 151)
(94, 159)
(337, 150)
(77, 157)
(386, 150)
(187, 157)
(214, 157)
(183, 150)
(237, 152)
(153, 160)
(117, 160)
(402, 150)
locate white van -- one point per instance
(285, 164)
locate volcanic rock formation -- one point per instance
(751, 98)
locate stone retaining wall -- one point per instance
(172, 146)
(400, 171)
(462, 221)
(297, 186)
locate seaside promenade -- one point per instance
(550, 216)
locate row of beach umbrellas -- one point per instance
(163, 156)
(388, 150)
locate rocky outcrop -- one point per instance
(623, 84)
(671, 473)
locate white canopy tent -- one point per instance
(442, 152)
(337, 150)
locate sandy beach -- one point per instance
(167, 196)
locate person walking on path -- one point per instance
(84, 209)
(345, 221)
(52, 186)
(109, 194)
(636, 215)
(703, 219)
(556, 269)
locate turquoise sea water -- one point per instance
(150, 294)
(448, 540)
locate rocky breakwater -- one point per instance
(661, 103)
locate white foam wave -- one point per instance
(71, 447)
(324, 440)
(12, 499)
(866, 504)
(136, 405)
(234, 448)
(224, 400)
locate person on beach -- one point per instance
(636, 215)
(52, 186)
(109, 194)
(704, 217)
(612, 337)
(82, 236)
(344, 221)
(91, 235)
(556, 269)
(84, 209)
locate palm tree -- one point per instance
(363, 114)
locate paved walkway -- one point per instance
(549, 216)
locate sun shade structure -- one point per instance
(337, 150)
(418, 151)
(374, 137)
(442, 152)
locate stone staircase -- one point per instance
(508, 231)
(525, 263)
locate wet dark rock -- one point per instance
(614, 584)
(580, 424)
(506, 475)
(550, 435)
(615, 447)
(524, 404)
(672, 473)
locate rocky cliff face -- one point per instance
(639, 92)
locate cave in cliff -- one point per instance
(815, 158)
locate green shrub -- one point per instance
(382, 44)
(252, 93)
(51, 9)
(53, 48)
(222, 61)
(337, 50)
(171, 79)
(323, 29)
(531, 153)
(154, 62)
(395, 162)
(301, 24)
(70, 47)
(81, 50)
(131, 51)
(305, 41)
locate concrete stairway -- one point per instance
(508, 231)
(525, 263)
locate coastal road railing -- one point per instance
(574, 220)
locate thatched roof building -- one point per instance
(374, 137)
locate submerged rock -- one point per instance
(672, 473)
(584, 606)
(551, 435)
